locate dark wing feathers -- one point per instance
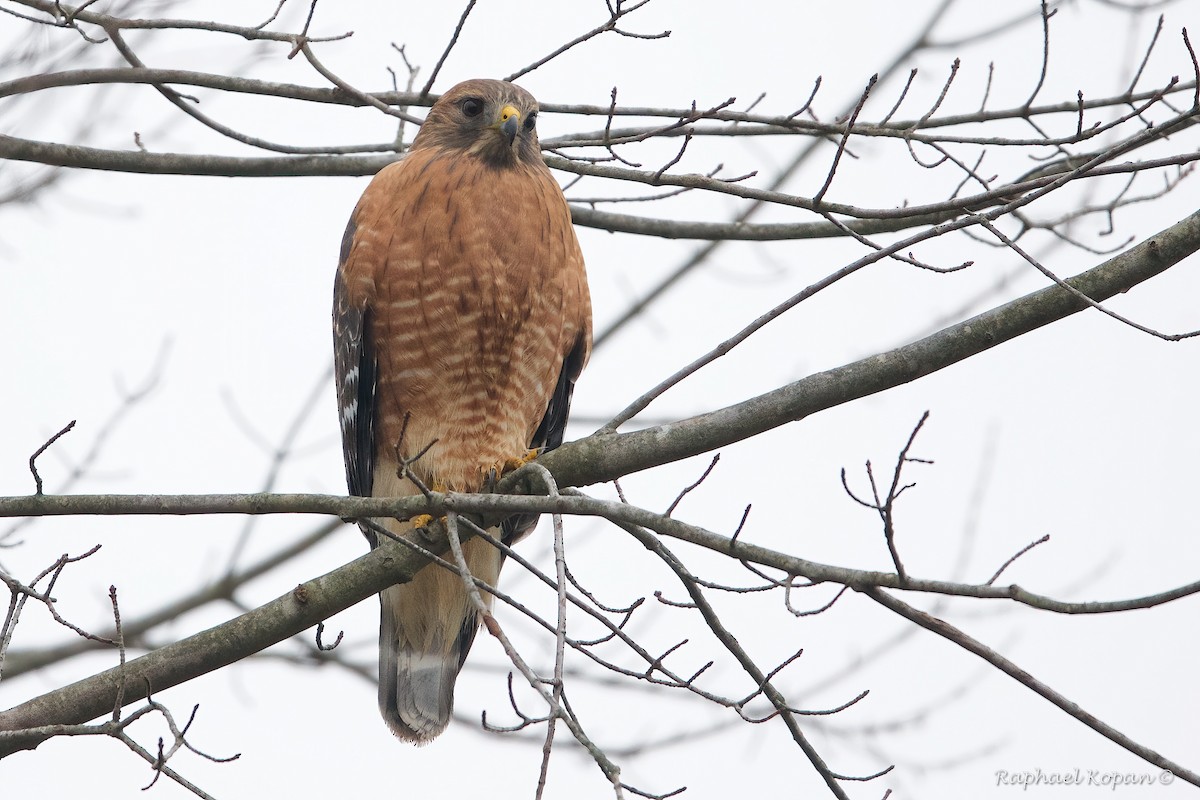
(549, 433)
(355, 371)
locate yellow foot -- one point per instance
(495, 472)
(502, 468)
(421, 520)
(511, 464)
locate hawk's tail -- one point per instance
(426, 627)
(416, 688)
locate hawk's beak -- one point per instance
(509, 123)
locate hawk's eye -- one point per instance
(531, 120)
(472, 107)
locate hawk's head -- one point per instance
(494, 121)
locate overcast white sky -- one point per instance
(1085, 430)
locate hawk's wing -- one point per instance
(549, 434)
(355, 373)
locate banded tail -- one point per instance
(426, 628)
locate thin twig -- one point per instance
(462, 20)
(37, 479)
(1015, 556)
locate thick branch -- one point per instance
(604, 457)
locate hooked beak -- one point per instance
(509, 123)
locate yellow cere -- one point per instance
(509, 111)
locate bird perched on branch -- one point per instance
(461, 320)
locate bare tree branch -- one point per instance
(953, 634)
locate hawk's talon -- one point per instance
(421, 520)
(492, 474)
(514, 464)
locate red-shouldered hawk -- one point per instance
(460, 302)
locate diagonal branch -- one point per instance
(730, 642)
(953, 634)
(22, 661)
(314, 601)
(604, 457)
(302, 608)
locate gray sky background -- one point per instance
(1085, 430)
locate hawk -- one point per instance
(461, 321)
